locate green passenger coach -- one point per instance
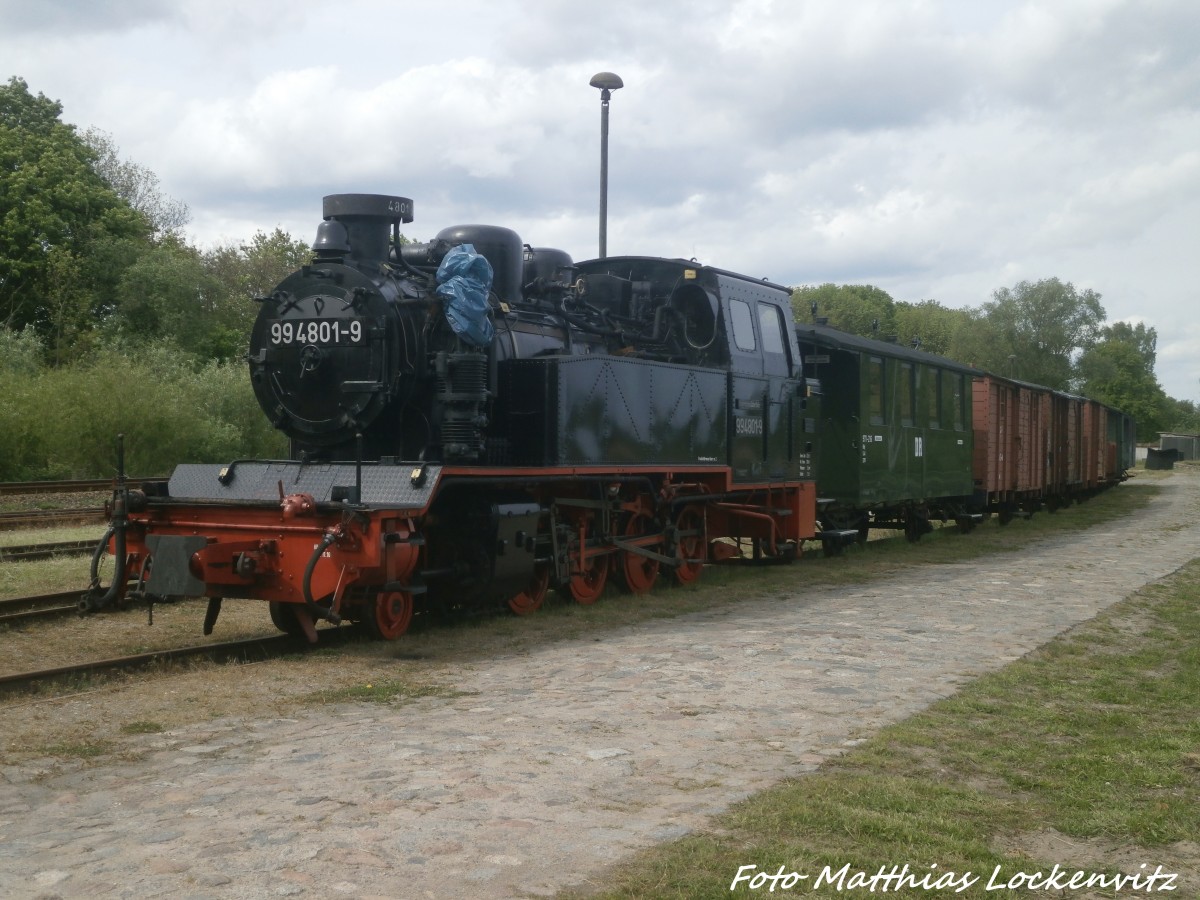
(895, 440)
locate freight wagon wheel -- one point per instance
(586, 585)
(530, 600)
(915, 525)
(393, 615)
(283, 615)
(636, 573)
(690, 544)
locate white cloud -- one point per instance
(937, 149)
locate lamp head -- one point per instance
(607, 82)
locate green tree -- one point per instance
(55, 212)
(1115, 372)
(169, 294)
(136, 185)
(1182, 416)
(930, 326)
(861, 309)
(241, 272)
(1119, 371)
(1142, 339)
(1034, 331)
(253, 268)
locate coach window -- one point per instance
(960, 400)
(743, 325)
(875, 388)
(906, 394)
(933, 396)
(945, 396)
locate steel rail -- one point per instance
(64, 486)
(247, 650)
(40, 606)
(24, 552)
(12, 521)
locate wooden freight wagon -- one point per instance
(1095, 444)
(1122, 442)
(1013, 427)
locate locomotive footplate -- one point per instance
(386, 485)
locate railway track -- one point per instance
(26, 552)
(66, 486)
(248, 650)
(12, 521)
(41, 606)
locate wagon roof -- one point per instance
(827, 336)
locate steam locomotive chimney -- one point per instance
(368, 219)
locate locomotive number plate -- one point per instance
(330, 332)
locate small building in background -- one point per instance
(1187, 446)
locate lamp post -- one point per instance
(607, 82)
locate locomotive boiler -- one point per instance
(473, 420)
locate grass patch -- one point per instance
(142, 728)
(46, 576)
(80, 749)
(49, 535)
(385, 690)
(1086, 754)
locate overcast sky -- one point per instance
(939, 149)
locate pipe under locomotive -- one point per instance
(473, 421)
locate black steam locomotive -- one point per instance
(474, 420)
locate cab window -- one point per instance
(770, 325)
(743, 325)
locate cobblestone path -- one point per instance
(566, 759)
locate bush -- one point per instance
(21, 352)
(20, 441)
(22, 451)
(64, 422)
